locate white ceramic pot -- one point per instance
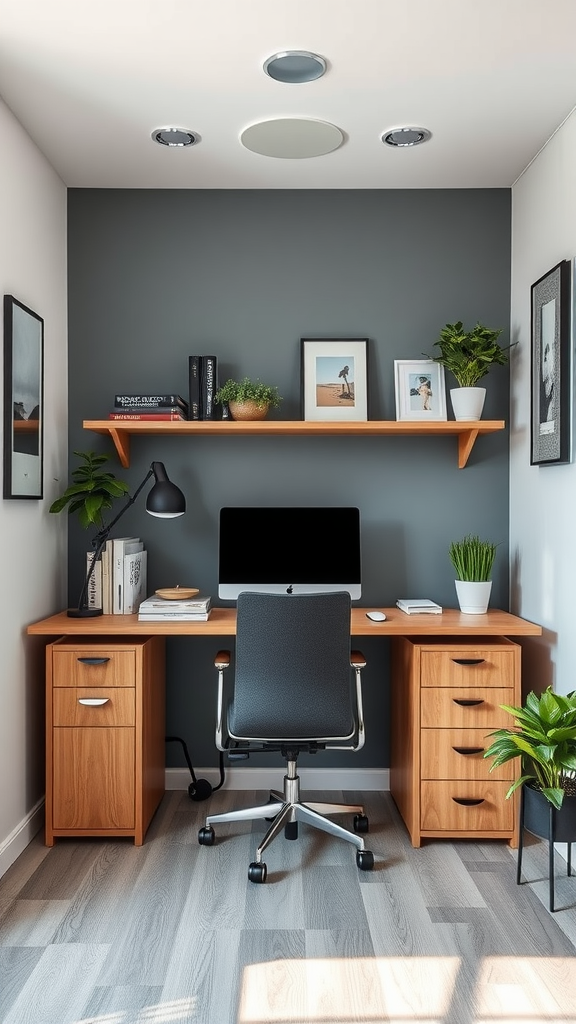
(473, 597)
(467, 403)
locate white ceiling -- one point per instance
(89, 81)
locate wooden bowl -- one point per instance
(177, 593)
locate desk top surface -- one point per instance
(222, 622)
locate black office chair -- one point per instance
(293, 691)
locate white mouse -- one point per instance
(376, 616)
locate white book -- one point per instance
(192, 604)
(158, 616)
(106, 558)
(121, 546)
(94, 594)
(134, 585)
(416, 606)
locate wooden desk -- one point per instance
(222, 622)
(105, 708)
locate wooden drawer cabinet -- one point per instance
(105, 738)
(445, 700)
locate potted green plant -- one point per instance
(544, 738)
(473, 560)
(248, 399)
(94, 490)
(468, 355)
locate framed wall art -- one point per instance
(334, 378)
(551, 367)
(420, 390)
(23, 400)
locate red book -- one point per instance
(146, 416)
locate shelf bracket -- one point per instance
(121, 440)
(466, 441)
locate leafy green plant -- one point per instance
(472, 558)
(469, 354)
(247, 390)
(93, 491)
(544, 738)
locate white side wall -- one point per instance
(542, 498)
(32, 542)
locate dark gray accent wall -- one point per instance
(155, 276)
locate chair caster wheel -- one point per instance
(206, 836)
(360, 823)
(257, 872)
(365, 860)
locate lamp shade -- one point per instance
(165, 500)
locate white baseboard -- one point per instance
(364, 780)
(18, 840)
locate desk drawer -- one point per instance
(99, 666)
(458, 754)
(448, 708)
(118, 707)
(474, 667)
(489, 811)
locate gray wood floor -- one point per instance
(102, 932)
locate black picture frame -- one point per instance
(551, 367)
(23, 400)
(334, 379)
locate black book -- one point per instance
(195, 396)
(127, 401)
(209, 386)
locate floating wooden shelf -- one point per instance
(465, 431)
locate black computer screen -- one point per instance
(290, 549)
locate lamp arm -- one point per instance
(102, 536)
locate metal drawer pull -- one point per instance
(468, 801)
(93, 702)
(93, 661)
(468, 702)
(468, 750)
(468, 661)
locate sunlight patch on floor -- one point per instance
(338, 990)
(407, 990)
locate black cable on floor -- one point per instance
(199, 789)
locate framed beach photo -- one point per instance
(551, 367)
(420, 390)
(23, 400)
(334, 378)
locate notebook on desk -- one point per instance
(415, 606)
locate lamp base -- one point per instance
(83, 613)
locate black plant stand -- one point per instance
(538, 816)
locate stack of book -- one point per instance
(203, 385)
(158, 609)
(417, 606)
(118, 583)
(149, 407)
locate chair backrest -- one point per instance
(292, 678)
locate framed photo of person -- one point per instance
(551, 367)
(23, 400)
(334, 378)
(420, 390)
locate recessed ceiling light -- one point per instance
(295, 66)
(174, 137)
(292, 138)
(406, 136)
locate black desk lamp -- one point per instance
(165, 501)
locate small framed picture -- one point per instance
(420, 390)
(551, 367)
(23, 400)
(334, 378)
